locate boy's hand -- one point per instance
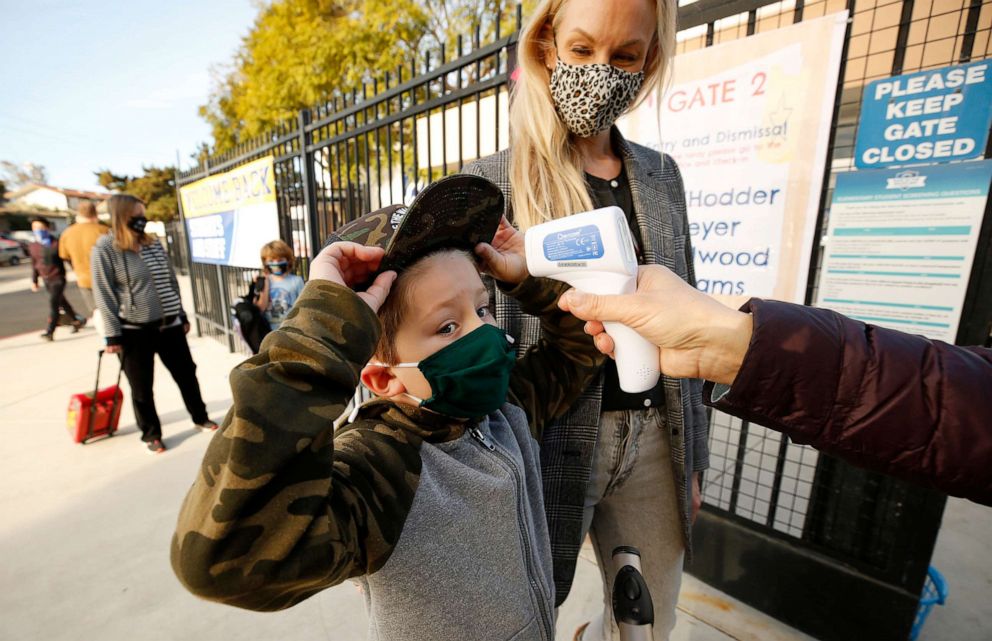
(347, 263)
(505, 258)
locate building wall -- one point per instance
(44, 198)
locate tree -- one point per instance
(17, 176)
(157, 188)
(300, 53)
(108, 180)
(3, 191)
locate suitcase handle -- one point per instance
(96, 390)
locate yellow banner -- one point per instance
(246, 185)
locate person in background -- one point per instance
(137, 294)
(622, 467)
(913, 408)
(75, 246)
(46, 264)
(278, 287)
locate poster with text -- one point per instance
(748, 123)
(230, 216)
(901, 243)
(927, 117)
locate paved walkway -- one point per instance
(85, 531)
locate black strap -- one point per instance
(130, 291)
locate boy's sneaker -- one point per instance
(207, 426)
(155, 447)
(47, 337)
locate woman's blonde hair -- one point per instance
(120, 207)
(546, 169)
(278, 249)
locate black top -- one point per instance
(607, 193)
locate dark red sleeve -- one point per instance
(904, 405)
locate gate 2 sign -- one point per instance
(230, 216)
(928, 117)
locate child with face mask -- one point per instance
(279, 286)
(430, 495)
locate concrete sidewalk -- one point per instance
(85, 533)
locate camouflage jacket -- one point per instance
(401, 498)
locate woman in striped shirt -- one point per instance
(137, 293)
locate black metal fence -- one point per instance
(833, 550)
(365, 150)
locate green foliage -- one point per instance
(111, 181)
(299, 53)
(3, 190)
(157, 188)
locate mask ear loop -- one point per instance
(419, 401)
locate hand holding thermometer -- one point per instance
(594, 252)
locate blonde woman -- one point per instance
(138, 296)
(621, 467)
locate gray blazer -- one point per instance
(567, 445)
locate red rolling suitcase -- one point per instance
(94, 415)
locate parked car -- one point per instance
(19, 238)
(10, 252)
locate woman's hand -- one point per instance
(113, 349)
(348, 264)
(505, 258)
(698, 336)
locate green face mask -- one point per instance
(469, 377)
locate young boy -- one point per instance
(280, 287)
(431, 496)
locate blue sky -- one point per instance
(102, 84)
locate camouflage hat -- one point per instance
(458, 212)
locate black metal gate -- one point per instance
(832, 550)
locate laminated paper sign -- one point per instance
(901, 245)
(748, 123)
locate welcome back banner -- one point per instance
(748, 123)
(231, 215)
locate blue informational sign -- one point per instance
(927, 117)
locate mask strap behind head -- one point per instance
(381, 364)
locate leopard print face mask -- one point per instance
(589, 98)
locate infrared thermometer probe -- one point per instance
(594, 252)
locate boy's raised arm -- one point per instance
(275, 514)
(554, 372)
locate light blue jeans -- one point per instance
(631, 500)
